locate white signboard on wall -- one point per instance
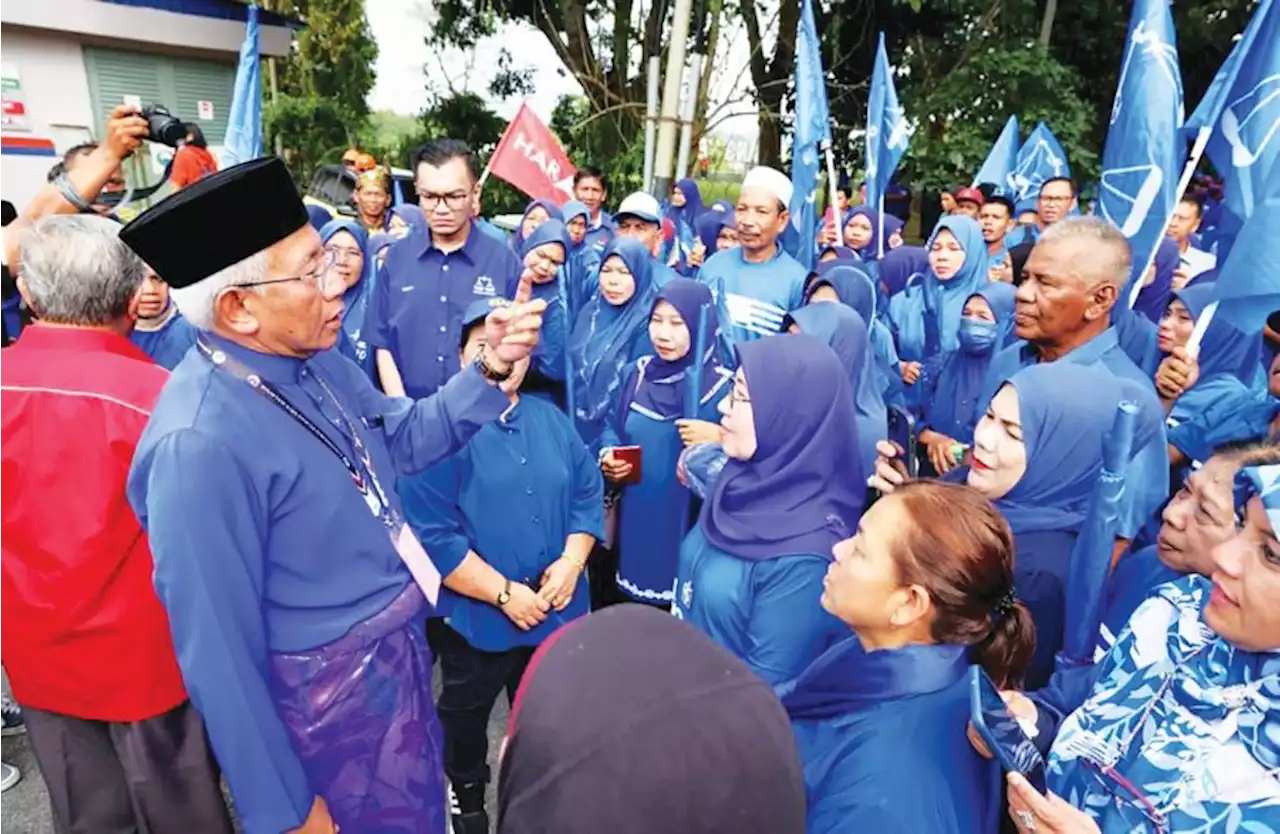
(204, 111)
(14, 114)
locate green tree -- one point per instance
(321, 107)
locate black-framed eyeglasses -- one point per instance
(454, 200)
(735, 397)
(317, 276)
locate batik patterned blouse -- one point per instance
(1181, 733)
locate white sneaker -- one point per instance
(9, 776)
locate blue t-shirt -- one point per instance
(753, 298)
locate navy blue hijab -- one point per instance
(899, 266)
(802, 491)
(664, 385)
(708, 226)
(1224, 349)
(1066, 411)
(692, 208)
(845, 332)
(1154, 298)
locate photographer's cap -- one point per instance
(640, 205)
(221, 220)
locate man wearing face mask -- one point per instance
(1063, 311)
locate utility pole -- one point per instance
(668, 121)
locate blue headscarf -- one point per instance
(843, 330)
(1066, 411)
(899, 266)
(692, 208)
(842, 253)
(851, 283)
(664, 387)
(575, 208)
(1154, 298)
(553, 211)
(355, 301)
(1224, 349)
(604, 336)
(553, 231)
(953, 409)
(708, 226)
(867, 252)
(318, 216)
(927, 317)
(802, 491)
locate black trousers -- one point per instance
(141, 777)
(471, 681)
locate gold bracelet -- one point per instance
(580, 564)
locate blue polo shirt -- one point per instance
(421, 295)
(601, 232)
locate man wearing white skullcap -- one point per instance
(757, 284)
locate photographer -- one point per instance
(79, 186)
(192, 162)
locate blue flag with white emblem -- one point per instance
(1242, 111)
(1041, 158)
(1002, 159)
(244, 120)
(1144, 151)
(1249, 282)
(812, 128)
(888, 132)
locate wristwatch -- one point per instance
(505, 596)
(489, 372)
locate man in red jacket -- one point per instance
(86, 642)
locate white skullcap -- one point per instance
(772, 180)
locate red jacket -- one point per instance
(83, 631)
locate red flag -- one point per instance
(531, 159)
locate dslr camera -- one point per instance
(163, 126)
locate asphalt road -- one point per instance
(24, 808)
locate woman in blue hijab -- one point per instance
(1153, 298)
(899, 267)
(347, 240)
(1037, 453)
(535, 214)
(654, 512)
(611, 333)
(842, 329)
(952, 382)
(544, 254)
(926, 316)
(846, 283)
(579, 271)
(715, 231)
(1230, 386)
(750, 570)
(840, 254)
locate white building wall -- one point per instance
(55, 92)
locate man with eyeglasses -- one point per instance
(266, 481)
(434, 274)
(1057, 199)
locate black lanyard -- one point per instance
(375, 499)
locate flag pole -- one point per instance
(880, 227)
(831, 191)
(1184, 182)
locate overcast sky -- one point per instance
(400, 26)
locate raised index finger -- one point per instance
(524, 290)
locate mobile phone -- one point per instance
(1001, 732)
(902, 433)
(632, 455)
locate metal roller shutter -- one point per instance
(177, 83)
